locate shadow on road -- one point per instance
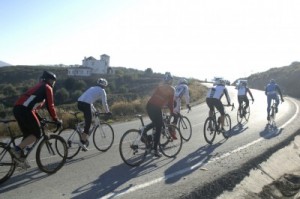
(192, 162)
(108, 183)
(270, 131)
(237, 129)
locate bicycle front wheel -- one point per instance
(132, 150)
(103, 137)
(7, 164)
(227, 126)
(209, 130)
(169, 146)
(48, 154)
(185, 128)
(72, 138)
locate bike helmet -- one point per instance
(102, 82)
(244, 83)
(48, 75)
(183, 81)
(272, 81)
(168, 79)
(221, 82)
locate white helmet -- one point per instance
(183, 81)
(102, 82)
(168, 79)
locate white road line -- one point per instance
(196, 166)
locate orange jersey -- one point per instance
(162, 96)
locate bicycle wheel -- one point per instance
(170, 147)
(247, 113)
(7, 164)
(227, 126)
(132, 150)
(209, 130)
(72, 138)
(185, 128)
(103, 137)
(48, 156)
(240, 115)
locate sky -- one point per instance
(190, 38)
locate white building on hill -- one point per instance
(91, 65)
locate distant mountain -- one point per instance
(2, 63)
(287, 78)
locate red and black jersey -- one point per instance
(37, 95)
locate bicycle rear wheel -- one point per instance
(185, 128)
(169, 146)
(72, 138)
(48, 154)
(227, 126)
(7, 164)
(132, 150)
(103, 137)
(209, 130)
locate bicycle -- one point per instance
(243, 113)
(135, 144)
(212, 126)
(185, 126)
(103, 135)
(273, 113)
(51, 151)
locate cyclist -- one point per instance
(181, 90)
(213, 99)
(25, 112)
(243, 90)
(272, 90)
(163, 94)
(85, 104)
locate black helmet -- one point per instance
(48, 75)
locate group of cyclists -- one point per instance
(26, 107)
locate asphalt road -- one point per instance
(96, 174)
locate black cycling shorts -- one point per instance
(27, 120)
(213, 102)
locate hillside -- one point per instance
(287, 77)
(2, 63)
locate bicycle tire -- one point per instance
(169, 146)
(48, 154)
(227, 126)
(103, 137)
(72, 138)
(185, 128)
(132, 150)
(7, 164)
(209, 130)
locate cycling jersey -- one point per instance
(181, 90)
(93, 94)
(162, 96)
(40, 93)
(217, 92)
(272, 89)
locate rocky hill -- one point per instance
(287, 77)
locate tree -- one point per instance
(61, 96)
(149, 71)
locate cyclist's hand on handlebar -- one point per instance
(108, 114)
(59, 123)
(189, 107)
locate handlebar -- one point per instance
(44, 123)
(228, 105)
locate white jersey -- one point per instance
(93, 94)
(217, 92)
(181, 90)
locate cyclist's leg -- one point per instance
(219, 106)
(210, 104)
(246, 100)
(269, 99)
(176, 110)
(155, 115)
(87, 113)
(276, 103)
(240, 100)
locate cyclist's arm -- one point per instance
(279, 91)
(248, 90)
(227, 96)
(50, 103)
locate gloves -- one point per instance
(282, 100)
(252, 100)
(59, 123)
(189, 107)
